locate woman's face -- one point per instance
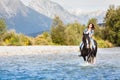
(90, 25)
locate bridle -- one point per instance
(86, 40)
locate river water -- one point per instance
(62, 66)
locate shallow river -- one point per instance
(63, 66)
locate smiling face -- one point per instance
(91, 26)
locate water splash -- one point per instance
(61, 66)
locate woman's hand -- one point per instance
(90, 36)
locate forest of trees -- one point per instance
(71, 34)
(112, 25)
(68, 34)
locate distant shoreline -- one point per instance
(29, 50)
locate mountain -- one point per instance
(52, 9)
(85, 16)
(37, 17)
(22, 18)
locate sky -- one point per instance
(84, 5)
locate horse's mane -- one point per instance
(86, 36)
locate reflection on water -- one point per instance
(65, 66)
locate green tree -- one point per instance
(112, 21)
(57, 31)
(73, 33)
(43, 39)
(93, 21)
(2, 26)
(2, 30)
(110, 17)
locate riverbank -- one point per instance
(27, 50)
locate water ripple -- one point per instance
(61, 67)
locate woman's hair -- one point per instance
(93, 27)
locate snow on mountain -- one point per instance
(52, 9)
(10, 8)
(85, 16)
(37, 17)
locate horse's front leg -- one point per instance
(84, 58)
(94, 60)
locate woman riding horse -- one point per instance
(90, 31)
(85, 48)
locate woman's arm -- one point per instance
(91, 34)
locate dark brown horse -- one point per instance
(88, 52)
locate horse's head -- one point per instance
(86, 40)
